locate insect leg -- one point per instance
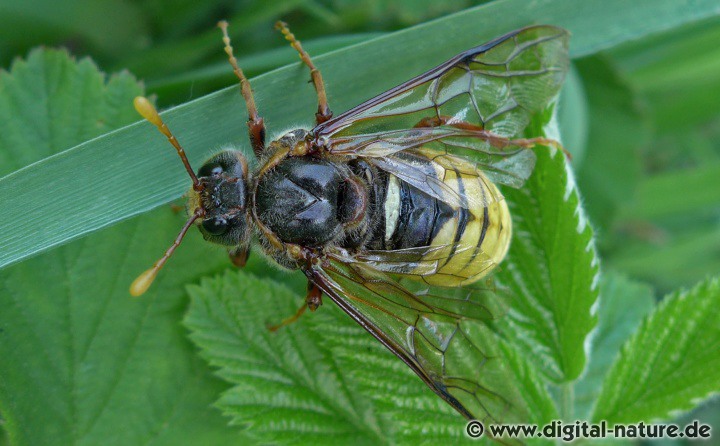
(239, 255)
(314, 297)
(323, 114)
(531, 142)
(494, 140)
(255, 123)
(289, 320)
(313, 300)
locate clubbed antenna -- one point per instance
(144, 280)
(147, 111)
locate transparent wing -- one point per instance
(419, 262)
(439, 333)
(473, 105)
(436, 173)
(509, 164)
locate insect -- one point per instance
(391, 209)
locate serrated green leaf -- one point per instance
(286, 388)
(141, 175)
(401, 397)
(417, 415)
(551, 270)
(83, 363)
(49, 102)
(324, 380)
(622, 306)
(670, 364)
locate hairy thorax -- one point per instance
(309, 201)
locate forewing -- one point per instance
(449, 178)
(442, 337)
(424, 261)
(508, 164)
(493, 89)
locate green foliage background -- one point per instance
(81, 363)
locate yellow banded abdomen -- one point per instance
(467, 239)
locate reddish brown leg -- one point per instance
(289, 320)
(314, 297)
(255, 123)
(494, 140)
(313, 300)
(323, 114)
(434, 121)
(238, 256)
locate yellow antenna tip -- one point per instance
(147, 110)
(143, 282)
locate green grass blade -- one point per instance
(132, 170)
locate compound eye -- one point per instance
(211, 169)
(215, 226)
